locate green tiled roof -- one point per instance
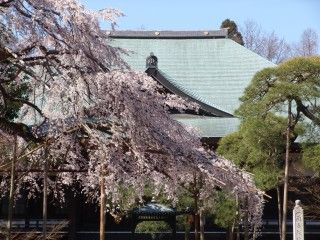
(187, 91)
(209, 126)
(215, 70)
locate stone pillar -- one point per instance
(298, 222)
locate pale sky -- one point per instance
(288, 18)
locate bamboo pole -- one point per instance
(286, 173)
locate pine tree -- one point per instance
(233, 32)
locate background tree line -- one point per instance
(268, 44)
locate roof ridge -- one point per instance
(220, 33)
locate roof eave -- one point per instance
(210, 110)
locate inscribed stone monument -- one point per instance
(298, 222)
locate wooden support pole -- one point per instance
(196, 206)
(187, 227)
(201, 218)
(102, 208)
(279, 210)
(246, 227)
(238, 217)
(12, 188)
(286, 176)
(196, 226)
(45, 196)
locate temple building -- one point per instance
(204, 66)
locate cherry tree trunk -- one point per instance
(11, 195)
(286, 173)
(102, 208)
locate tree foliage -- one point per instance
(258, 146)
(225, 210)
(296, 79)
(93, 117)
(233, 32)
